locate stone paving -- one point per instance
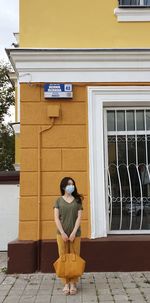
(93, 287)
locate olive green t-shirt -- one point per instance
(68, 213)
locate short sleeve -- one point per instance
(80, 207)
(56, 205)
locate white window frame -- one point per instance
(133, 14)
(99, 98)
(106, 134)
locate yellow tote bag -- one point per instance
(69, 265)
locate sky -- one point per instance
(9, 24)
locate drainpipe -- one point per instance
(53, 112)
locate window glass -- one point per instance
(111, 120)
(129, 2)
(140, 120)
(134, 2)
(148, 119)
(130, 120)
(120, 120)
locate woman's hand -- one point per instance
(72, 236)
(77, 224)
(64, 237)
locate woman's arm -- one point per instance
(58, 224)
(77, 224)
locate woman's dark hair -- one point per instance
(76, 195)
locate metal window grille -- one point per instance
(128, 169)
(134, 3)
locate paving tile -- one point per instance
(27, 299)
(29, 292)
(105, 298)
(88, 291)
(95, 300)
(2, 299)
(87, 286)
(145, 290)
(74, 299)
(12, 299)
(116, 287)
(136, 297)
(104, 291)
(45, 292)
(120, 298)
(4, 293)
(58, 299)
(118, 291)
(129, 285)
(5, 287)
(88, 298)
(43, 299)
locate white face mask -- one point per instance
(69, 189)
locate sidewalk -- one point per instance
(92, 288)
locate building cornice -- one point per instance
(81, 65)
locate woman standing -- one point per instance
(67, 214)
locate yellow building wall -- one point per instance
(64, 153)
(78, 24)
(17, 136)
(62, 24)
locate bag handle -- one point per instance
(73, 248)
(63, 257)
(67, 243)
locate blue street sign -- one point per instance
(58, 90)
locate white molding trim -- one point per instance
(17, 166)
(96, 167)
(18, 101)
(132, 14)
(85, 65)
(99, 98)
(16, 127)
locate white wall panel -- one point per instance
(9, 214)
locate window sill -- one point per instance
(132, 15)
